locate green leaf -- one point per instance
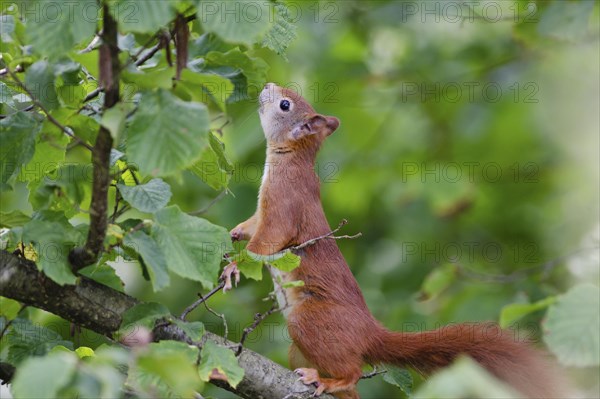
(113, 119)
(148, 80)
(438, 280)
(213, 167)
(55, 27)
(50, 151)
(283, 31)
(248, 266)
(287, 262)
(73, 180)
(245, 25)
(68, 70)
(52, 241)
(26, 339)
(99, 373)
(103, 274)
(206, 43)
(144, 314)
(179, 379)
(194, 330)
(566, 19)
(291, 284)
(44, 377)
(6, 96)
(166, 134)
(9, 308)
(572, 327)
(149, 197)
(194, 247)
(18, 133)
(218, 362)
(203, 87)
(39, 79)
(13, 219)
(253, 68)
(152, 255)
(464, 379)
(515, 311)
(84, 351)
(71, 96)
(142, 15)
(219, 149)
(400, 378)
(62, 188)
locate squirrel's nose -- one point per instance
(269, 86)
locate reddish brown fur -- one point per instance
(332, 328)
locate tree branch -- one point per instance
(109, 79)
(100, 308)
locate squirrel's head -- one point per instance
(287, 118)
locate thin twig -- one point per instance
(92, 45)
(116, 208)
(93, 94)
(202, 300)
(219, 130)
(329, 235)
(373, 373)
(8, 323)
(121, 211)
(258, 318)
(222, 317)
(53, 120)
(209, 205)
(153, 50)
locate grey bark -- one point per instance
(100, 308)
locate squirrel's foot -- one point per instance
(231, 270)
(237, 234)
(347, 385)
(309, 377)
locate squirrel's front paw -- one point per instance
(236, 234)
(229, 271)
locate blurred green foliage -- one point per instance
(467, 156)
(465, 141)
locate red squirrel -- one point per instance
(332, 329)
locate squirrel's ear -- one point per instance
(315, 124)
(332, 124)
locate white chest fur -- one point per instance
(283, 295)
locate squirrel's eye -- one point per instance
(284, 105)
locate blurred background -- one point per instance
(467, 157)
(466, 139)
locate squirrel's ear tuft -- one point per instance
(315, 124)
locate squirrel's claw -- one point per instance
(236, 234)
(308, 377)
(230, 270)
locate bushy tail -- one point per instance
(513, 361)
